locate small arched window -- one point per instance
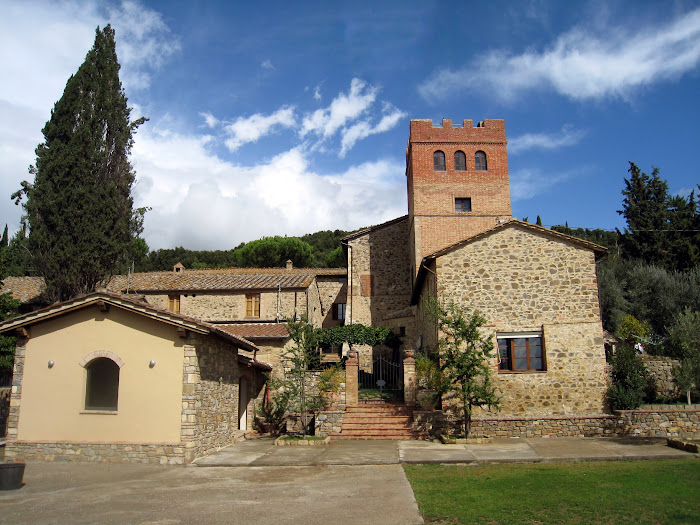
(480, 161)
(439, 161)
(102, 385)
(460, 161)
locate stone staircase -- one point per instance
(377, 419)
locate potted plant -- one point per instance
(272, 414)
(428, 380)
(329, 381)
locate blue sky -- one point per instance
(275, 118)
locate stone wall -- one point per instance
(209, 395)
(526, 281)
(328, 290)
(4, 410)
(668, 421)
(662, 421)
(436, 423)
(231, 306)
(379, 290)
(156, 454)
(660, 370)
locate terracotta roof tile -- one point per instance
(24, 289)
(223, 279)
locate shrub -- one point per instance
(629, 378)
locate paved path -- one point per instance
(69, 493)
(263, 452)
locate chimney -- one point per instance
(290, 264)
(178, 268)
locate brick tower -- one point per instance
(457, 182)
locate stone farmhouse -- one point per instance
(537, 288)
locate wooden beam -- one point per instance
(103, 306)
(181, 332)
(22, 332)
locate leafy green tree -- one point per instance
(684, 337)
(80, 208)
(273, 252)
(464, 359)
(5, 241)
(629, 378)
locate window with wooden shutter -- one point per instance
(252, 305)
(174, 303)
(339, 311)
(366, 285)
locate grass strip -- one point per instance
(662, 491)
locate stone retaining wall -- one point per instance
(673, 422)
(155, 454)
(329, 421)
(660, 370)
(662, 422)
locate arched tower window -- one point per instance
(460, 161)
(480, 161)
(439, 161)
(102, 385)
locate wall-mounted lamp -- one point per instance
(51, 363)
(152, 364)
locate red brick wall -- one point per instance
(431, 194)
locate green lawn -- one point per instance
(665, 491)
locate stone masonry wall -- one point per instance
(222, 306)
(660, 369)
(524, 281)
(209, 395)
(381, 257)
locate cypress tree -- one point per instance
(80, 209)
(5, 241)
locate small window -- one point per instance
(463, 205)
(252, 305)
(174, 303)
(402, 331)
(102, 385)
(339, 311)
(480, 161)
(460, 161)
(439, 161)
(520, 353)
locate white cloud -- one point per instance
(201, 201)
(580, 66)
(144, 42)
(210, 120)
(317, 93)
(250, 129)
(364, 129)
(267, 64)
(344, 108)
(566, 137)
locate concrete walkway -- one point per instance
(262, 452)
(72, 493)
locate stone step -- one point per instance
(378, 419)
(376, 435)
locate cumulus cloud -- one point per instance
(581, 65)
(187, 186)
(267, 64)
(364, 128)
(344, 108)
(144, 42)
(209, 120)
(547, 141)
(250, 129)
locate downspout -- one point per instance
(350, 282)
(279, 298)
